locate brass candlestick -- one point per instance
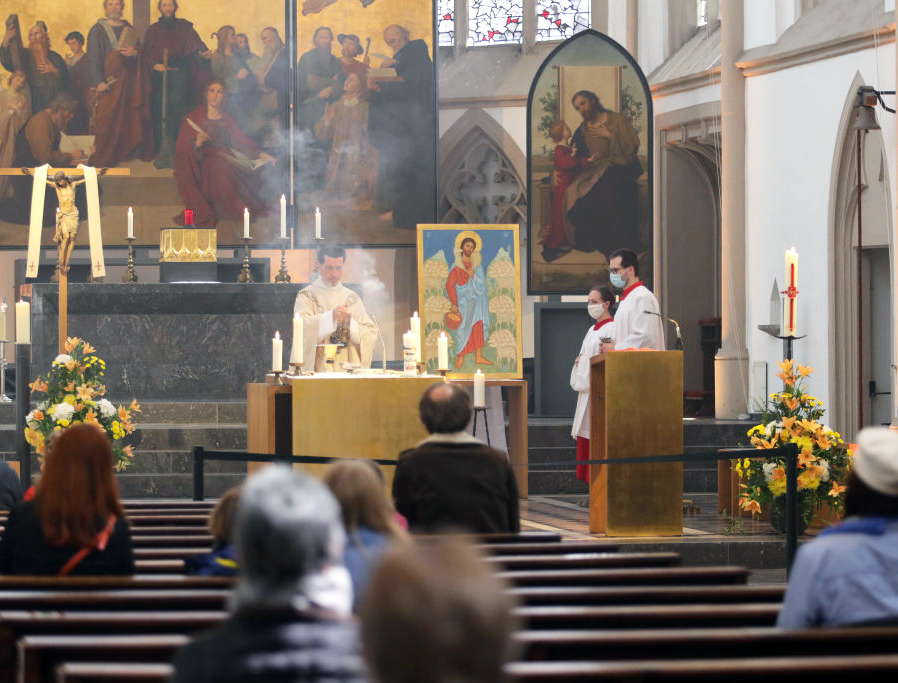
(278, 376)
(297, 368)
(130, 275)
(245, 274)
(283, 276)
(443, 372)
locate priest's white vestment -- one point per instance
(638, 323)
(581, 370)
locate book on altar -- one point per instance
(72, 143)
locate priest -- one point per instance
(333, 313)
(638, 323)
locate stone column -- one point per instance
(633, 28)
(528, 30)
(894, 266)
(731, 361)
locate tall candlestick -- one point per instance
(3, 309)
(296, 353)
(130, 223)
(277, 352)
(246, 224)
(283, 217)
(790, 310)
(443, 352)
(23, 323)
(317, 223)
(479, 389)
(415, 324)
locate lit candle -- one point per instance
(297, 351)
(277, 352)
(130, 223)
(790, 311)
(3, 309)
(283, 217)
(415, 324)
(23, 323)
(246, 224)
(317, 223)
(479, 389)
(443, 352)
(408, 340)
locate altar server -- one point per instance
(333, 313)
(638, 323)
(598, 306)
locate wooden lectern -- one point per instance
(636, 403)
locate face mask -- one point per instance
(595, 310)
(617, 280)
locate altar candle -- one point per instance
(277, 352)
(3, 308)
(408, 340)
(415, 323)
(296, 353)
(790, 312)
(130, 223)
(479, 390)
(317, 223)
(443, 352)
(245, 224)
(23, 323)
(283, 217)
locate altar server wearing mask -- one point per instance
(638, 323)
(333, 313)
(598, 306)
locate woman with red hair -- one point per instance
(75, 524)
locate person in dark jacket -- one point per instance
(10, 487)
(222, 561)
(452, 480)
(75, 524)
(293, 602)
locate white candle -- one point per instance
(3, 309)
(296, 353)
(479, 390)
(283, 217)
(317, 223)
(443, 352)
(277, 352)
(415, 324)
(790, 310)
(246, 224)
(130, 223)
(408, 340)
(23, 323)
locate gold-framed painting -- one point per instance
(469, 288)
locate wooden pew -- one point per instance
(648, 616)
(115, 599)
(593, 560)
(645, 595)
(169, 566)
(104, 672)
(652, 576)
(849, 667)
(39, 656)
(72, 583)
(556, 548)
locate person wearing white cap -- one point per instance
(849, 574)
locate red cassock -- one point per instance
(208, 179)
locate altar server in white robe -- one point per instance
(329, 310)
(598, 306)
(637, 323)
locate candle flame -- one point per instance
(442, 335)
(129, 210)
(277, 335)
(317, 210)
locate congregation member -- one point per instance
(222, 561)
(292, 604)
(637, 323)
(598, 307)
(848, 575)
(10, 487)
(368, 517)
(334, 314)
(436, 612)
(75, 524)
(452, 481)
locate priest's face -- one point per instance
(331, 271)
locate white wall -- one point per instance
(791, 140)
(760, 23)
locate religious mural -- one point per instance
(589, 165)
(192, 98)
(469, 288)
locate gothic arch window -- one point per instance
(502, 22)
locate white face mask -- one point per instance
(595, 310)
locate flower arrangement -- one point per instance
(793, 416)
(75, 392)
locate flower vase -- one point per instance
(778, 516)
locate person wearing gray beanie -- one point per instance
(848, 575)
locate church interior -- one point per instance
(283, 205)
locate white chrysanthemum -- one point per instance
(771, 427)
(62, 359)
(825, 465)
(768, 468)
(63, 411)
(106, 408)
(29, 417)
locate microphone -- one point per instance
(382, 342)
(679, 344)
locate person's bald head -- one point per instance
(396, 37)
(445, 408)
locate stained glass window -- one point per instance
(446, 22)
(560, 19)
(492, 22)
